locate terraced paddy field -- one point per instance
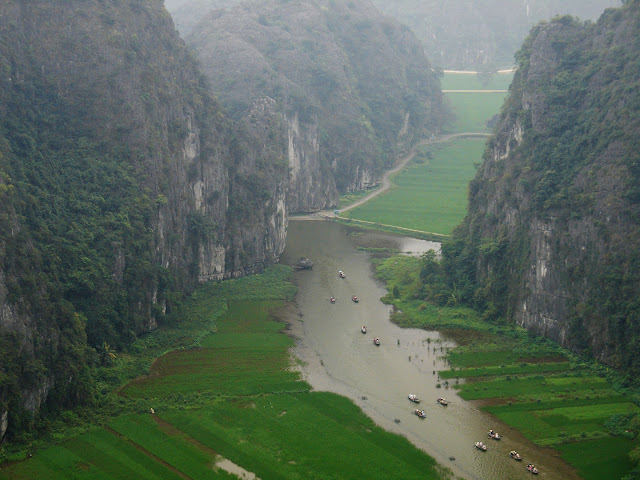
(562, 408)
(430, 194)
(229, 403)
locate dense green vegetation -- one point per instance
(260, 420)
(553, 397)
(430, 193)
(89, 149)
(572, 172)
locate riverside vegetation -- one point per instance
(555, 398)
(224, 387)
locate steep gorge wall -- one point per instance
(122, 184)
(552, 231)
(354, 89)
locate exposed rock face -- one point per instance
(354, 88)
(554, 210)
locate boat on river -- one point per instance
(376, 342)
(420, 413)
(493, 435)
(532, 469)
(515, 455)
(341, 274)
(332, 299)
(413, 398)
(481, 446)
(442, 401)
(355, 299)
(363, 329)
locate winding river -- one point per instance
(337, 357)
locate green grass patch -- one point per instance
(312, 435)
(174, 447)
(495, 355)
(520, 369)
(430, 194)
(599, 458)
(473, 110)
(534, 387)
(98, 455)
(247, 355)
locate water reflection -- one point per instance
(339, 358)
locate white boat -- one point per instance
(493, 435)
(363, 329)
(420, 413)
(413, 398)
(376, 342)
(442, 401)
(481, 446)
(515, 455)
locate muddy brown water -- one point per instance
(337, 357)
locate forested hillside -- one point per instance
(354, 88)
(121, 183)
(551, 241)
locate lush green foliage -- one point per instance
(575, 170)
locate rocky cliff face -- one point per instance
(554, 212)
(353, 88)
(121, 182)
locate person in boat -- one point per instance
(333, 299)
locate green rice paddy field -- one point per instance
(571, 410)
(430, 194)
(234, 395)
(473, 109)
